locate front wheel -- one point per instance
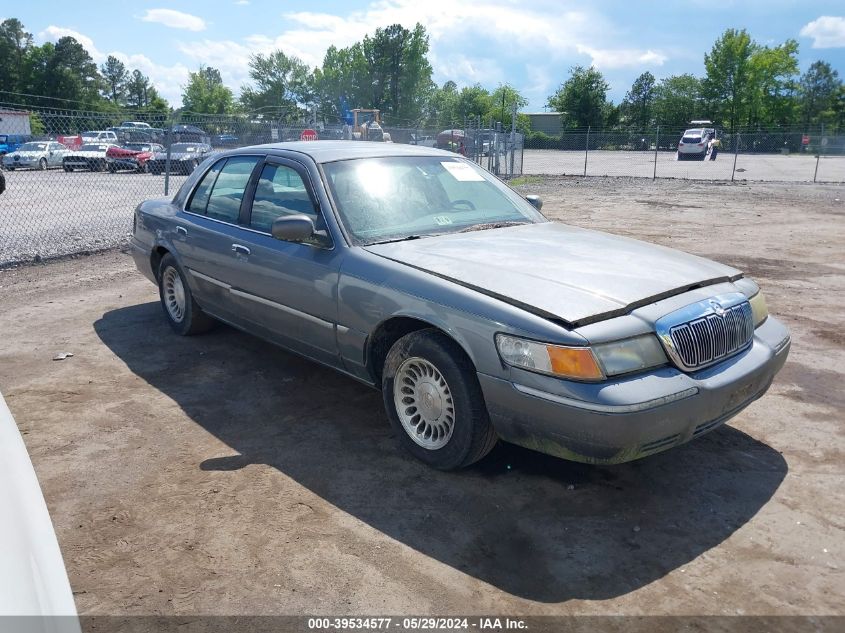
(42, 164)
(434, 402)
(182, 311)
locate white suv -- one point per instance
(697, 144)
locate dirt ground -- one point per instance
(218, 475)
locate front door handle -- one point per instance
(182, 230)
(238, 248)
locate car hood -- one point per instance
(80, 154)
(558, 271)
(27, 154)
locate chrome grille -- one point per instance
(713, 337)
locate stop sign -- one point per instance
(308, 135)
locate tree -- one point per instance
(818, 88)
(771, 84)
(442, 106)
(677, 101)
(581, 99)
(64, 71)
(388, 71)
(280, 82)
(15, 44)
(637, 107)
(206, 94)
(728, 68)
(399, 71)
(115, 77)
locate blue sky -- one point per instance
(530, 44)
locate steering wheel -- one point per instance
(468, 203)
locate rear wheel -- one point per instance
(182, 311)
(434, 402)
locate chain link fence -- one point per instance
(760, 155)
(73, 178)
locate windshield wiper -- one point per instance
(491, 225)
(407, 238)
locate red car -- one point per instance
(132, 156)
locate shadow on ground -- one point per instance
(534, 526)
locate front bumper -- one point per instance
(621, 420)
(22, 162)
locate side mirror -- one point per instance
(535, 201)
(292, 228)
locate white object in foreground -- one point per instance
(33, 580)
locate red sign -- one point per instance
(805, 140)
(308, 135)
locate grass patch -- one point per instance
(525, 180)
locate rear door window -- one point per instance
(199, 199)
(224, 203)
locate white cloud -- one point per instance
(613, 58)
(826, 31)
(168, 80)
(55, 33)
(174, 19)
(242, 3)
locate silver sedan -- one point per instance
(36, 155)
(416, 272)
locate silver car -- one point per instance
(36, 155)
(416, 272)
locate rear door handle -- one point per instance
(237, 248)
(182, 230)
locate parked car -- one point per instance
(696, 144)
(12, 142)
(184, 158)
(424, 141)
(132, 156)
(90, 156)
(415, 271)
(136, 124)
(186, 134)
(32, 572)
(36, 155)
(225, 140)
(99, 136)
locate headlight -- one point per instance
(759, 310)
(633, 354)
(556, 360)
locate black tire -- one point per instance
(67, 169)
(193, 320)
(472, 434)
(42, 164)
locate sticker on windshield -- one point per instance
(442, 219)
(461, 171)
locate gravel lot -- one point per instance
(56, 213)
(216, 475)
(751, 167)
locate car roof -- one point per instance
(330, 151)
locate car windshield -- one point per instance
(3, 138)
(33, 147)
(138, 147)
(385, 199)
(183, 147)
(93, 148)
